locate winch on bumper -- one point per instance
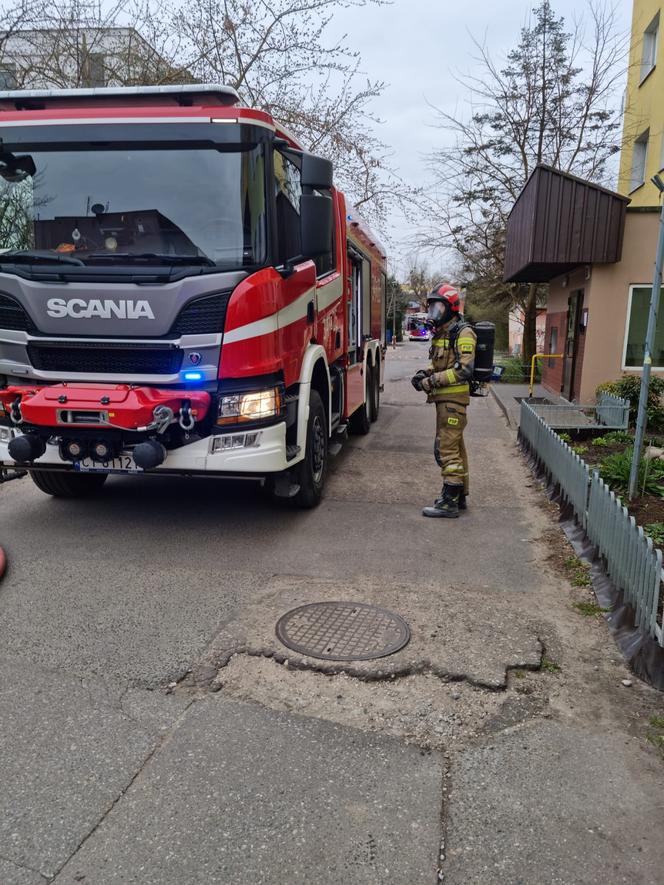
(93, 426)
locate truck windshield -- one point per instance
(203, 206)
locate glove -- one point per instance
(417, 379)
(426, 385)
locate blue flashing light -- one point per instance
(193, 376)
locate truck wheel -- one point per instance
(311, 472)
(68, 485)
(374, 393)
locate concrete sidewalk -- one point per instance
(153, 730)
(508, 397)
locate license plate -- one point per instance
(121, 464)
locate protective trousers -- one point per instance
(449, 448)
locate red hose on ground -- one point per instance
(3, 562)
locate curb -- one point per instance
(503, 408)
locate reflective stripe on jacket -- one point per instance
(452, 367)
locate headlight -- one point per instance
(256, 406)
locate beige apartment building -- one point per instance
(595, 247)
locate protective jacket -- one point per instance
(452, 355)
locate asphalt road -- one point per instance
(153, 731)
(109, 774)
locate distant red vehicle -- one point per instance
(417, 328)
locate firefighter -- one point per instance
(447, 384)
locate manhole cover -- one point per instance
(342, 631)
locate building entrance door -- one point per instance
(574, 306)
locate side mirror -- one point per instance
(316, 221)
(15, 169)
(316, 172)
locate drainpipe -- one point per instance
(642, 416)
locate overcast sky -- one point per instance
(418, 47)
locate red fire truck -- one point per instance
(182, 291)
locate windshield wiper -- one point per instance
(31, 256)
(148, 257)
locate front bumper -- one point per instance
(267, 456)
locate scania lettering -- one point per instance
(77, 307)
(183, 290)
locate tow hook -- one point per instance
(187, 419)
(15, 411)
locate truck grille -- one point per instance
(202, 316)
(106, 359)
(13, 317)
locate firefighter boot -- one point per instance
(463, 504)
(447, 506)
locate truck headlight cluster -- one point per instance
(258, 405)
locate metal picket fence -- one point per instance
(608, 413)
(564, 467)
(632, 562)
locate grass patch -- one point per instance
(549, 666)
(578, 572)
(589, 609)
(655, 734)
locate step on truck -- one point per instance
(183, 291)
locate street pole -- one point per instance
(394, 322)
(642, 415)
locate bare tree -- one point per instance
(276, 53)
(553, 101)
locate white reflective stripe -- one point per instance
(293, 312)
(79, 121)
(252, 330)
(330, 293)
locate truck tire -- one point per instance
(68, 485)
(374, 393)
(311, 472)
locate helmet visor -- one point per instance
(439, 312)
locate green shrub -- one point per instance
(517, 372)
(565, 437)
(580, 449)
(617, 436)
(629, 387)
(615, 470)
(656, 532)
(599, 441)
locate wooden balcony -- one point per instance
(560, 222)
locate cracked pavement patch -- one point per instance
(419, 708)
(68, 750)
(250, 796)
(486, 642)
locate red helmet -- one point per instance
(443, 302)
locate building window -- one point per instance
(639, 160)
(7, 76)
(649, 56)
(637, 324)
(95, 75)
